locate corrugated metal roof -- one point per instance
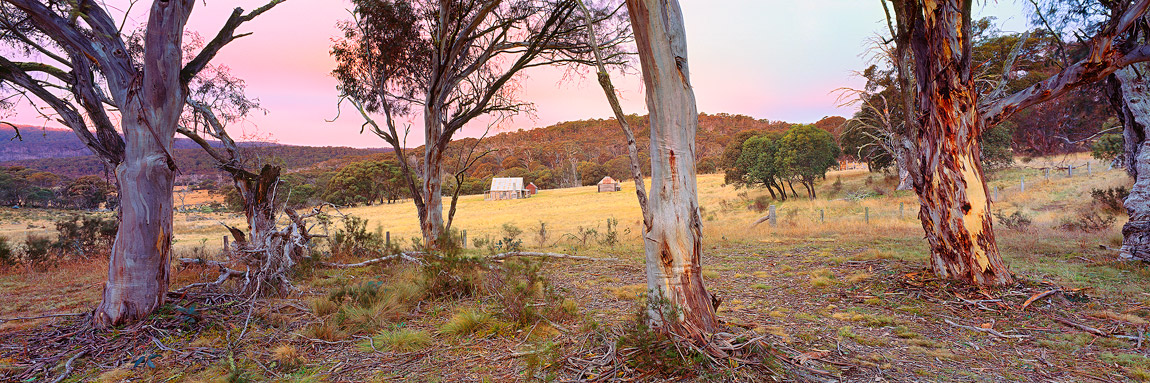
(505, 184)
(608, 180)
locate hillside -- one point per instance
(59, 151)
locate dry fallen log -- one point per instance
(403, 256)
(1081, 326)
(546, 255)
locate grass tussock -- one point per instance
(467, 322)
(397, 340)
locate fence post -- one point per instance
(866, 214)
(1087, 167)
(774, 218)
(900, 210)
(387, 239)
(822, 216)
(995, 194)
(465, 239)
(1070, 170)
(1022, 184)
(225, 244)
(1047, 174)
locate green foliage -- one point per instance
(996, 142)
(85, 236)
(466, 322)
(1111, 200)
(398, 340)
(452, 277)
(37, 250)
(656, 351)
(366, 182)
(89, 192)
(354, 239)
(543, 361)
(1108, 147)
(1087, 220)
(803, 154)
(510, 241)
(611, 235)
(1015, 221)
(7, 257)
(524, 294)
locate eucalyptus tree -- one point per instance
(949, 114)
(673, 237)
(450, 62)
(72, 57)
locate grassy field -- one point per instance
(840, 281)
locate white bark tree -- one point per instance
(673, 237)
(79, 65)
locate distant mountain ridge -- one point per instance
(59, 151)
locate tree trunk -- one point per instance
(904, 180)
(138, 266)
(674, 239)
(268, 255)
(949, 180)
(431, 222)
(1129, 91)
(150, 108)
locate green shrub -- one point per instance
(37, 250)
(1112, 199)
(1016, 221)
(7, 258)
(354, 239)
(85, 236)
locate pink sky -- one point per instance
(772, 59)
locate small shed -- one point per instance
(608, 184)
(506, 188)
(532, 189)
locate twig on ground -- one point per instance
(2, 320)
(546, 255)
(986, 330)
(68, 366)
(1038, 296)
(225, 273)
(1081, 326)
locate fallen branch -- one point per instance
(1038, 296)
(225, 273)
(2, 320)
(403, 256)
(986, 330)
(68, 367)
(546, 255)
(1081, 327)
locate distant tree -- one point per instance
(805, 153)
(88, 192)
(729, 161)
(591, 172)
(1109, 147)
(365, 182)
(452, 61)
(996, 152)
(758, 164)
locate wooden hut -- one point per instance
(506, 188)
(532, 189)
(608, 184)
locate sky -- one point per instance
(769, 59)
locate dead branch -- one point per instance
(3, 320)
(986, 330)
(225, 273)
(1081, 326)
(68, 367)
(1038, 296)
(546, 255)
(403, 256)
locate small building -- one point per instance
(506, 188)
(532, 189)
(608, 184)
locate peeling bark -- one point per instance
(673, 241)
(949, 181)
(151, 107)
(1129, 91)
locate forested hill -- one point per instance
(600, 141)
(59, 151)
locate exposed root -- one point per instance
(404, 256)
(226, 273)
(985, 330)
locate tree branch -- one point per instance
(226, 35)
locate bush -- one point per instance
(1110, 199)
(1087, 221)
(7, 258)
(85, 236)
(1015, 221)
(524, 293)
(354, 239)
(37, 250)
(452, 277)
(611, 236)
